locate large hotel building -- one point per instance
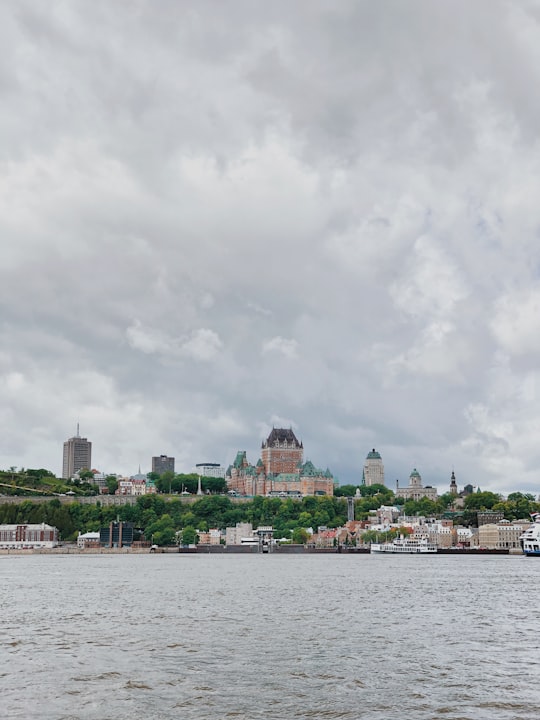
(280, 470)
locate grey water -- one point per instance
(268, 636)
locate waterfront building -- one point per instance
(415, 489)
(234, 535)
(162, 463)
(210, 537)
(117, 535)
(280, 472)
(502, 535)
(88, 540)
(373, 473)
(77, 455)
(209, 470)
(28, 536)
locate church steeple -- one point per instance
(453, 484)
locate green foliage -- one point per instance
(189, 536)
(345, 490)
(300, 536)
(481, 501)
(112, 484)
(387, 536)
(424, 506)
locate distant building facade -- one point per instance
(502, 535)
(281, 452)
(117, 535)
(210, 470)
(88, 540)
(280, 471)
(235, 535)
(415, 489)
(373, 473)
(77, 455)
(28, 536)
(162, 463)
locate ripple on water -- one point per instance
(268, 637)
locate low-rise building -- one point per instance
(234, 535)
(88, 540)
(211, 537)
(501, 535)
(23, 536)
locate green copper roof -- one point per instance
(415, 473)
(240, 457)
(373, 455)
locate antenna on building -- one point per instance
(77, 435)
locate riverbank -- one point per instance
(68, 549)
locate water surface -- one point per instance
(267, 636)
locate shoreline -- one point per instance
(240, 550)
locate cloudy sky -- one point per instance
(216, 218)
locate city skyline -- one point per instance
(77, 452)
(324, 217)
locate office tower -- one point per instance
(373, 469)
(77, 455)
(162, 463)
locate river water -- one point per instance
(268, 636)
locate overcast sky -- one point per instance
(220, 217)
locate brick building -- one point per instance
(280, 471)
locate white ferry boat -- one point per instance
(405, 546)
(530, 539)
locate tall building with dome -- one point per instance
(415, 489)
(373, 473)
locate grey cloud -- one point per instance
(212, 220)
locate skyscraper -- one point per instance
(77, 455)
(162, 463)
(373, 469)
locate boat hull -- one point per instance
(405, 549)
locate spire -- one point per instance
(77, 435)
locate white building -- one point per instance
(89, 539)
(209, 470)
(373, 469)
(15, 537)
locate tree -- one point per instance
(300, 536)
(164, 481)
(112, 484)
(189, 536)
(345, 490)
(481, 501)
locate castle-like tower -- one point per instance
(373, 469)
(281, 452)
